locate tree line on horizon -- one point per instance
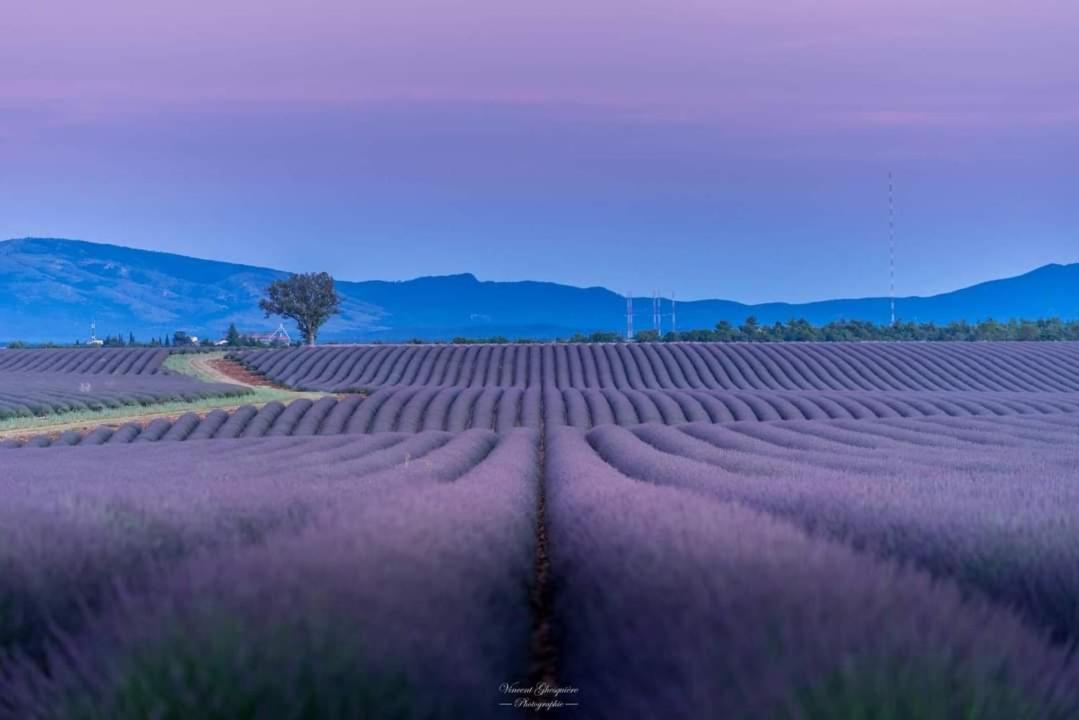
(862, 330)
(801, 330)
(1044, 330)
(179, 339)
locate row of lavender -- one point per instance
(689, 590)
(418, 400)
(700, 570)
(994, 367)
(392, 410)
(418, 409)
(155, 582)
(26, 394)
(85, 361)
(593, 408)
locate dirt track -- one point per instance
(221, 369)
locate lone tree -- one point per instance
(309, 299)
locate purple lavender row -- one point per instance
(85, 361)
(413, 603)
(999, 520)
(590, 408)
(24, 394)
(940, 367)
(674, 605)
(418, 409)
(880, 448)
(106, 515)
(389, 410)
(350, 367)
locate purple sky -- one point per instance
(711, 148)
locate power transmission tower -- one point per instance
(659, 315)
(280, 335)
(674, 315)
(891, 245)
(629, 316)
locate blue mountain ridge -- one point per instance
(50, 290)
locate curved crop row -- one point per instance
(397, 590)
(675, 605)
(85, 361)
(407, 410)
(352, 367)
(590, 408)
(412, 409)
(993, 367)
(103, 514)
(30, 393)
(988, 503)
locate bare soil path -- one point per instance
(222, 369)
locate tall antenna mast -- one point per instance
(891, 245)
(629, 315)
(659, 315)
(93, 334)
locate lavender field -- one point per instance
(53, 381)
(866, 366)
(88, 361)
(679, 531)
(417, 409)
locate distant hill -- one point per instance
(50, 290)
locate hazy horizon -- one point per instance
(662, 293)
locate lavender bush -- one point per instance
(672, 605)
(999, 520)
(389, 410)
(69, 530)
(85, 361)
(415, 605)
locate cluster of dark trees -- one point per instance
(118, 340)
(177, 339)
(233, 338)
(180, 338)
(838, 331)
(860, 330)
